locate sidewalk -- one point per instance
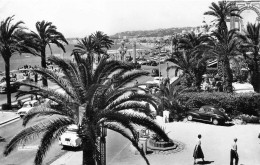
(6, 117)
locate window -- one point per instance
(201, 110)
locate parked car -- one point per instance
(153, 63)
(70, 138)
(213, 114)
(3, 88)
(27, 106)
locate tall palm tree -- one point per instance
(192, 59)
(251, 43)
(102, 43)
(86, 46)
(12, 42)
(46, 35)
(104, 97)
(222, 11)
(226, 47)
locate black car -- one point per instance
(213, 114)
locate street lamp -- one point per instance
(103, 144)
(122, 50)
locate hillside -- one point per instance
(151, 33)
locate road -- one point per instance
(24, 155)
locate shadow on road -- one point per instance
(204, 162)
(206, 122)
(75, 149)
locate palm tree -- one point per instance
(192, 59)
(12, 41)
(102, 43)
(46, 35)
(251, 43)
(222, 11)
(225, 48)
(104, 97)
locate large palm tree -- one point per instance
(46, 35)
(226, 47)
(251, 43)
(105, 99)
(222, 11)
(102, 43)
(12, 42)
(191, 59)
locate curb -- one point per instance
(5, 122)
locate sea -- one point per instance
(18, 61)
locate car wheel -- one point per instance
(189, 117)
(215, 121)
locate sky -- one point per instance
(79, 18)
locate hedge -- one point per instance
(234, 104)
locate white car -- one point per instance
(27, 106)
(70, 138)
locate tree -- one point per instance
(104, 97)
(46, 35)
(12, 41)
(102, 43)
(222, 11)
(225, 48)
(191, 59)
(250, 43)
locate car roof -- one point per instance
(210, 106)
(31, 101)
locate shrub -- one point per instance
(249, 118)
(234, 104)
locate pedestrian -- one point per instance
(198, 153)
(233, 153)
(136, 82)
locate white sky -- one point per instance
(78, 18)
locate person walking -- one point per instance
(198, 153)
(233, 153)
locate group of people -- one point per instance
(198, 153)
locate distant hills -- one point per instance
(151, 33)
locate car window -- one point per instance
(201, 110)
(26, 105)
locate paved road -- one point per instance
(115, 142)
(24, 155)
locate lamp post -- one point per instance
(122, 50)
(103, 144)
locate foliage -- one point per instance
(12, 41)
(250, 42)
(46, 35)
(234, 104)
(104, 99)
(248, 118)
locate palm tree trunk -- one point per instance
(8, 86)
(43, 64)
(88, 152)
(255, 80)
(229, 75)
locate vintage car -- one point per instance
(13, 87)
(213, 114)
(27, 106)
(70, 137)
